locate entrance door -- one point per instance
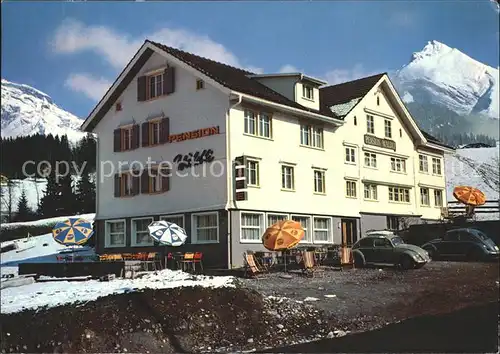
(349, 232)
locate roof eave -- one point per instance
(299, 75)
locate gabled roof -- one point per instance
(435, 140)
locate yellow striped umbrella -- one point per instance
(283, 235)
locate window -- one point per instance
(366, 242)
(258, 124)
(382, 243)
(438, 197)
(387, 128)
(371, 191)
(319, 181)
(126, 185)
(307, 92)
(311, 136)
(156, 180)
(115, 233)
(252, 173)
(155, 85)
(398, 165)
(355, 121)
(423, 164)
(287, 178)
(399, 194)
(393, 223)
(370, 124)
(350, 189)
(205, 227)
(175, 219)
(140, 232)
(200, 84)
(305, 222)
(154, 132)
(400, 132)
(322, 227)
(274, 218)
(370, 160)
(436, 166)
(118, 106)
(424, 196)
(126, 135)
(378, 101)
(251, 227)
(350, 155)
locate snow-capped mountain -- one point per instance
(27, 111)
(445, 76)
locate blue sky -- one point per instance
(72, 51)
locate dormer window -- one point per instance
(307, 92)
(200, 84)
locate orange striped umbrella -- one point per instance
(469, 195)
(283, 235)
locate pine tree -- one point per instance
(86, 194)
(24, 213)
(50, 204)
(67, 196)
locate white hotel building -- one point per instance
(340, 159)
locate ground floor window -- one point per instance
(274, 218)
(176, 219)
(322, 229)
(205, 227)
(392, 223)
(305, 222)
(251, 227)
(140, 232)
(115, 233)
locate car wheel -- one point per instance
(358, 261)
(406, 262)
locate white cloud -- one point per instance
(338, 76)
(116, 48)
(288, 68)
(92, 87)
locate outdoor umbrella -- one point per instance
(470, 196)
(73, 231)
(167, 233)
(283, 235)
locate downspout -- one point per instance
(97, 187)
(230, 185)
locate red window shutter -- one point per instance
(135, 183)
(118, 189)
(165, 180)
(145, 181)
(145, 134)
(164, 130)
(117, 140)
(135, 136)
(169, 80)
(141, 88)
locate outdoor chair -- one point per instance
(188, 261)
(310, 267)
(198, 259)
(251, 268)
(151, 259)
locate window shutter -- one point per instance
(165, 180)
(240, 183)
(135, 184)
(169, 80)
(164, 130)
(141, 88)
(145, 181)
(145, 134)
(117, 140)
(135, 136)
(117, 185)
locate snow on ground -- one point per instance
(52, 294)
(478, 168)
(48, 221)
(39, 249)
(34, 189)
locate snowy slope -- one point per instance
(27, 111)
(445, 76)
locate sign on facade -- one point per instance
(194, 134)
(383, 143)
(193, 159)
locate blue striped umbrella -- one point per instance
(167, 233)
(73, 231)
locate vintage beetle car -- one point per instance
(386, 248)
(463, 242)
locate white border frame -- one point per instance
(194, 235)
(308, 236)
(106, 235)
(277, 214)
(175, 216)
(330, 233)
(263, 222)
(133, 231)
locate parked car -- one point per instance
(466, 243)
(386, 248)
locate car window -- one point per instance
(451, 236)
(366, 242)
(382, 242)
(466, 236)
(479, 234)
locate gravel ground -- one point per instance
(368, 298)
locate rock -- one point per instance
(250, 340)
(330, 335)
(280, 326)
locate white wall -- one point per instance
(188, 109)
